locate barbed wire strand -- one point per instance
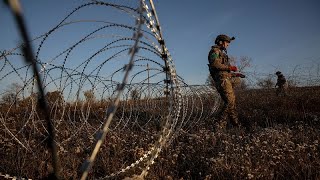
(112, 109)
(187, 103)
(7, 176)
(29, 58)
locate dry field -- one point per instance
(279, 140)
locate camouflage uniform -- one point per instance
(282, 84)
(219, 66)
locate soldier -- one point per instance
(220, 71)
(281, 84)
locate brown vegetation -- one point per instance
(279, 140)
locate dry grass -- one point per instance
(280, 140)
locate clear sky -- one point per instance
(276, 34)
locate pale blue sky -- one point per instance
(276, 34)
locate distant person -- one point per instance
(281, 84)
(221, 72)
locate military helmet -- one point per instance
(278, 73)
(223, 37)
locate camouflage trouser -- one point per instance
(224, 87)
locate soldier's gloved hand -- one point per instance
(233, 68)
(239, 75)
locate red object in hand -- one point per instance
(233, 68)
(240, 75)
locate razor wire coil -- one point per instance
(68, 106)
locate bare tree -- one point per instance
(9, 98)
(135, 94)
(12, 94)
(244, 62)
(266, 83)
(89, 95)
